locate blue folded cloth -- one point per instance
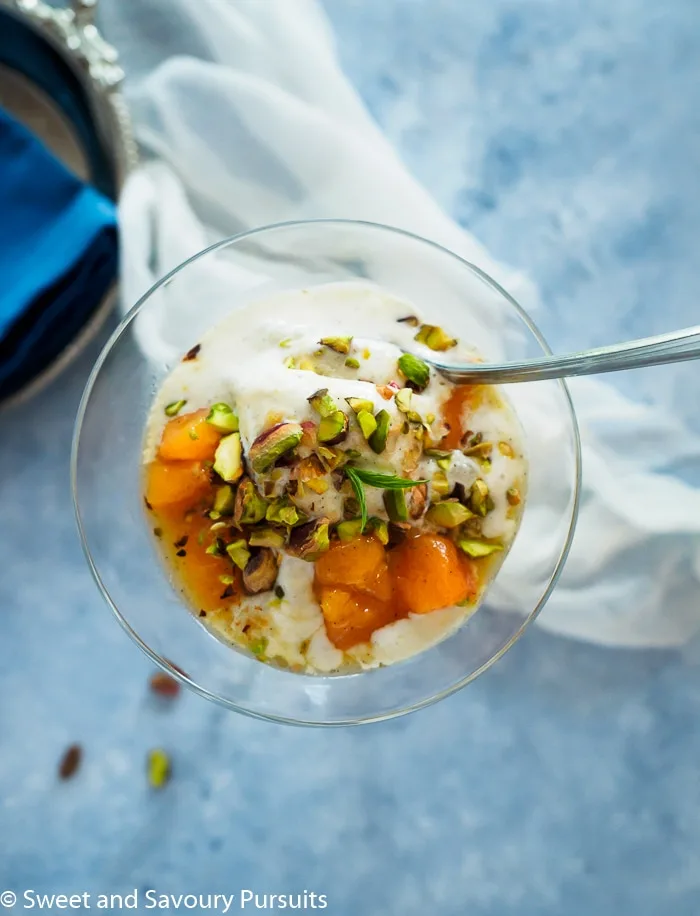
(58, 255)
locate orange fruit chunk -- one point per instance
(352, 617)
(352, 564)
(189, 438)
(171, 482)
(430, 574)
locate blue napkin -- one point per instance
(58, 255)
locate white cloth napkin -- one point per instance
(246, 119)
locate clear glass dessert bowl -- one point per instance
(107, 483)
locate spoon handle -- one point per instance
(674, 347)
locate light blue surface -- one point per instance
(563, 782)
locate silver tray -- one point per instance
(69, 36)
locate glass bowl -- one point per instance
(167, 321)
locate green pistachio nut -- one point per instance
(272, 443)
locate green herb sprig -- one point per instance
(360, 476)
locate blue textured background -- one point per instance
(566, 780)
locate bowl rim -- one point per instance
(168, 666)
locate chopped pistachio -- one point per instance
(193, 434)
(513, 496)
(333, 429)
(435, 338)
(227, 580)
(260, 572)
(228, 459)
(222, 418)
(395, 505)
(410, 320)
(437, 453)
(339, 344)
(286, 342)
(379, 528)
(306, 365)
(430, 418)
(271, 444)
(367, 423)
(414, 370)
(417, 500)
(238, 553)
(350, 529)
(317, 485)
(258, 646)
(224, 500)
(309, 541)
(440, 484)
(266, 537)
(478, 497)
(158, 767)
(308, 436)
(352, 363)
(477, 548)
(360, 404)
(283, 512)
(217, 526)
(366, 353)
(506, 449)
(172, 410)
(377, 441)
(249, 506)
(290, 363)
(323, 403)
(480, 450)
(331, 458)
(448, 514)
(403, 398)
(217, 549)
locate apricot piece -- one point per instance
(352, 617)
(171, 482)
(189, 438)
(353, 564)
(429, 574)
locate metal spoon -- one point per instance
(675, 347)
